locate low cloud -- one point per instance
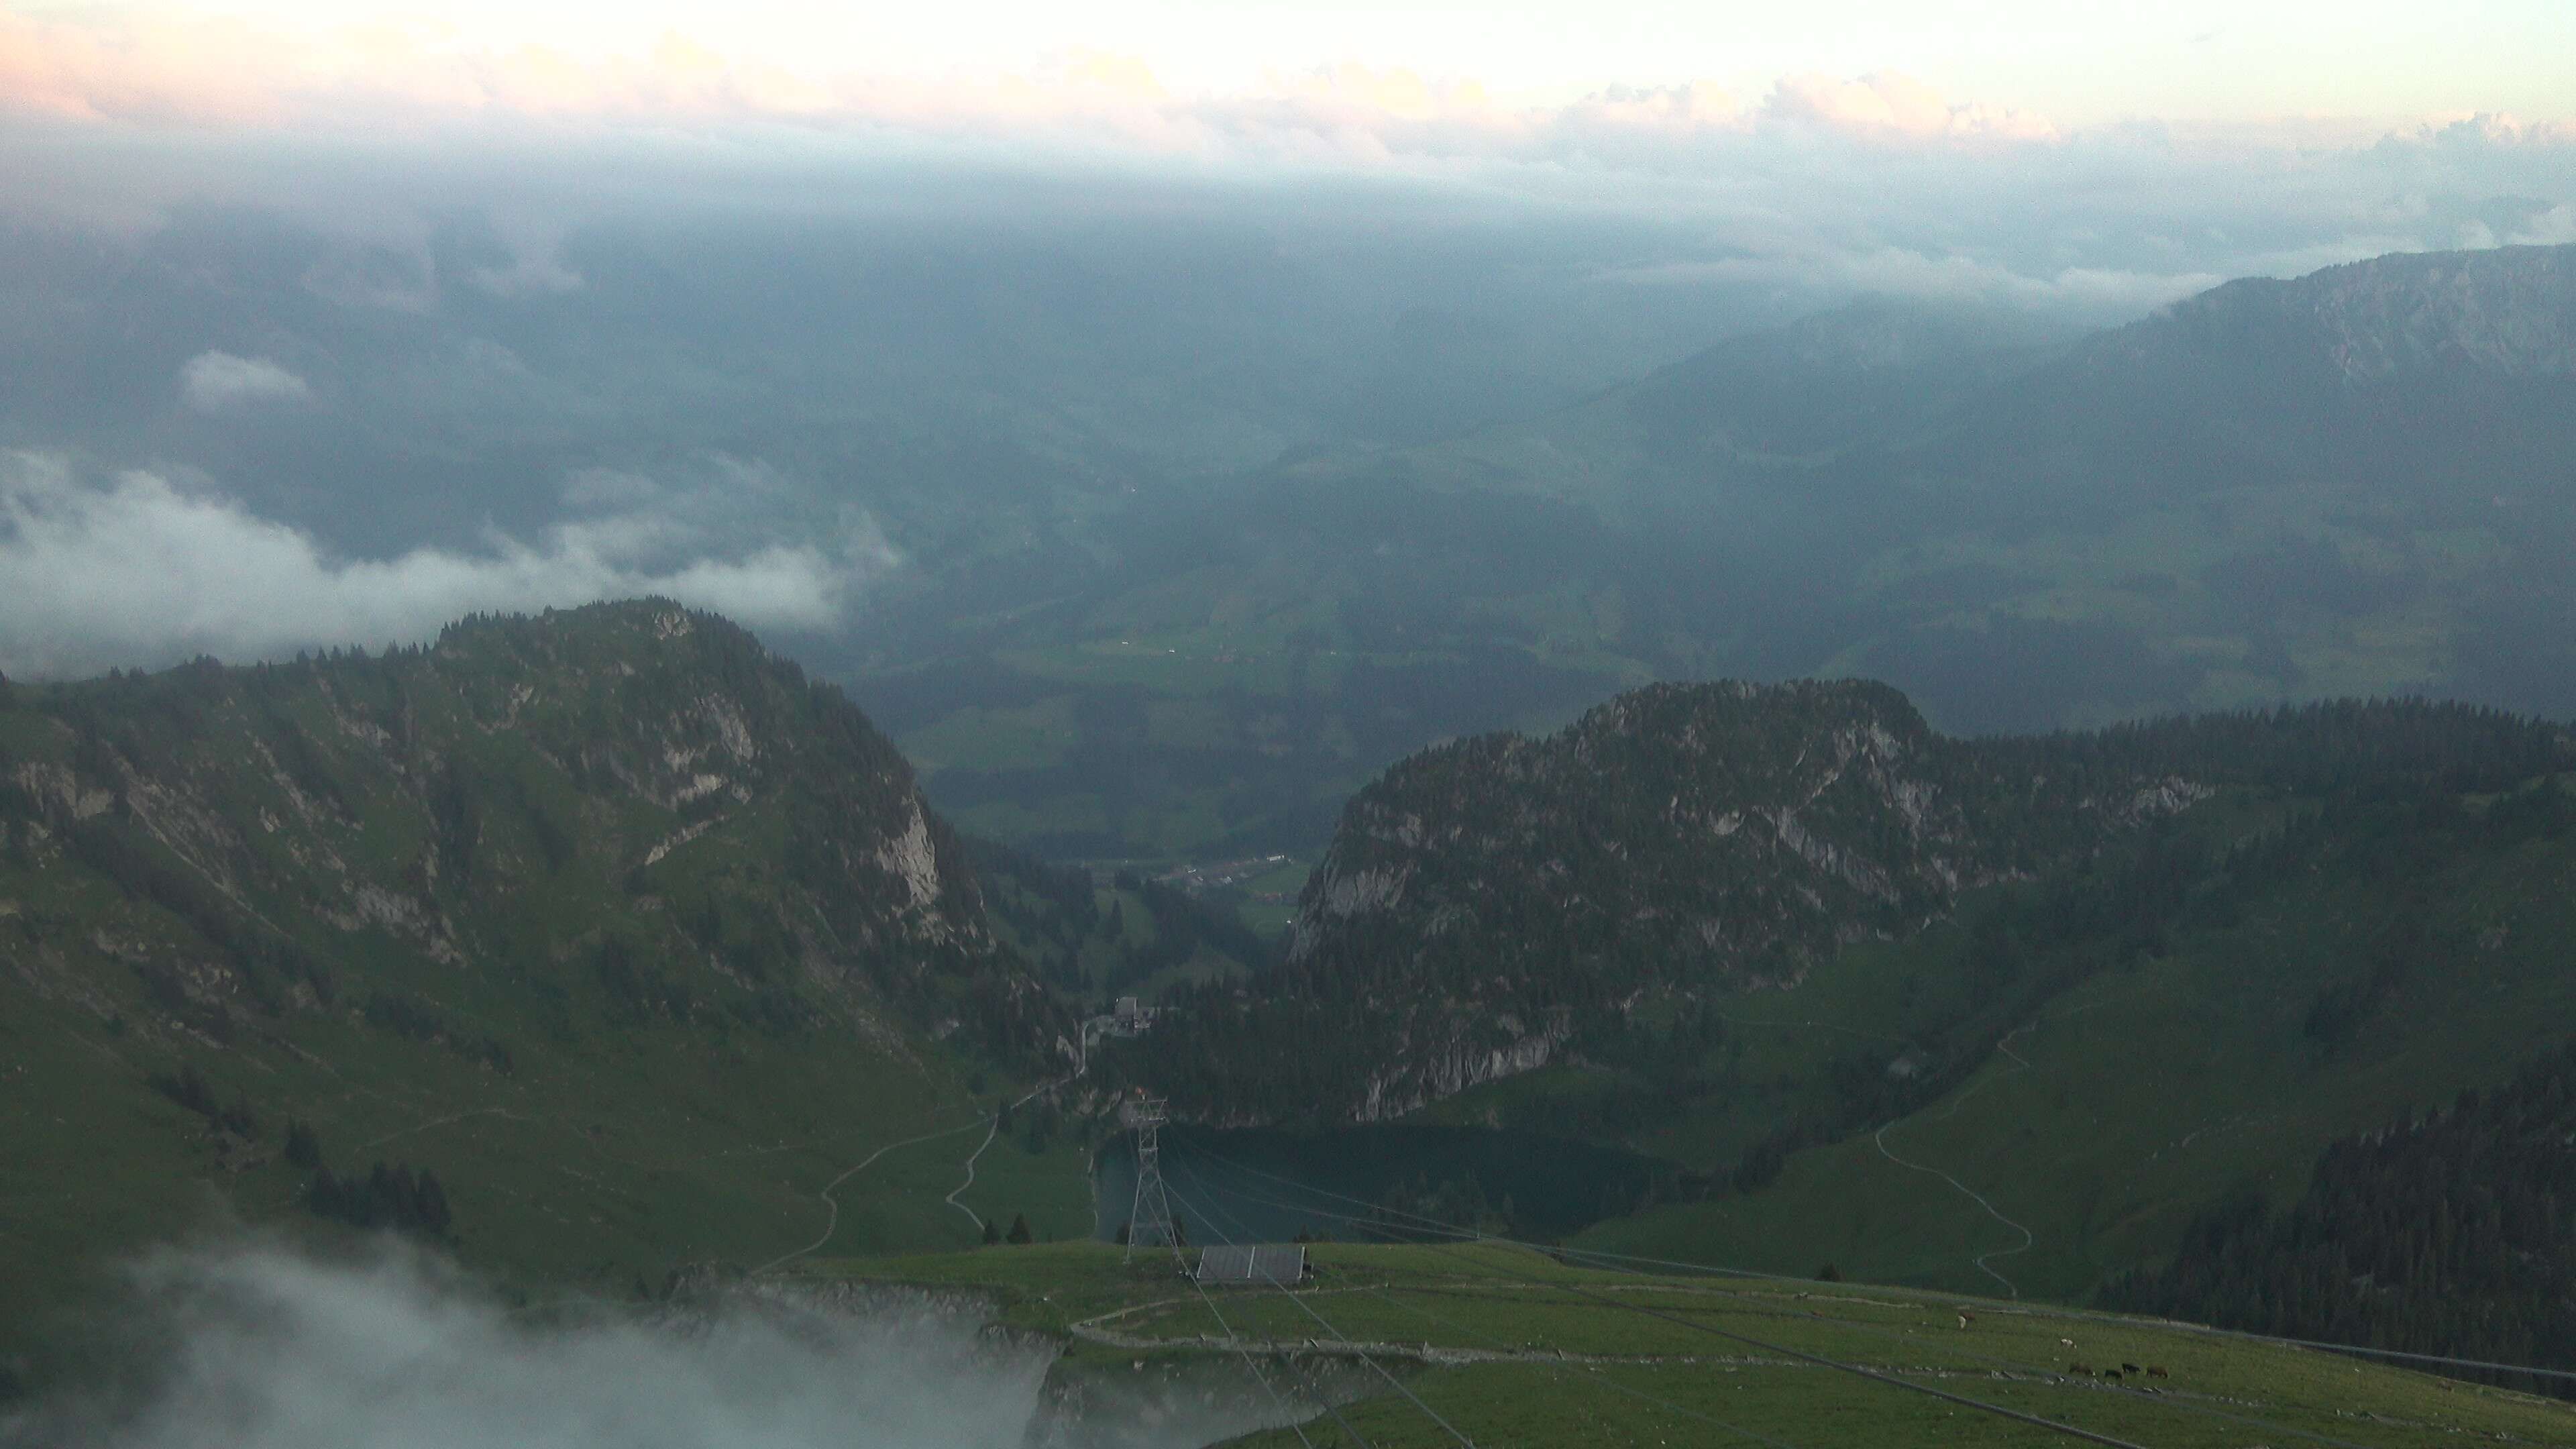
(219, 382)
(1878, 179)
(252, 1346)
(259, 1348)
(1886, 103)
(2554, 227)
(141, 570)
(536, 266)
(2100, 294)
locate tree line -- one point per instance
(2450, 1233)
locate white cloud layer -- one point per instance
(2554, 227)
(219, 382)
(258, 1348)
(1872, 178)
(137, 570)
(157, 66)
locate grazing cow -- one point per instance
(2130, 1368)
(2070, 1343)
(2154, 1372)
(1966, 1318)
(2085, 1369)
(2110, 1373)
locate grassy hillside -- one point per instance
(2325, 999)
(611, 921)
(1512, 1348)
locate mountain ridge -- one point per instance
(610, 921)
(2510, 310)
(1498, 905)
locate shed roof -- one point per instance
(1258, 1263)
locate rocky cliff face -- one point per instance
(1786, 815)
(635, 799)
(1722, 834)
(1487, 907)
(2510, 312)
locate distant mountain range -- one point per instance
(2361, 481)
(2403, 380)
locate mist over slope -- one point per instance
(252, 1345)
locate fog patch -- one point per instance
(2551, 228)
(536, 266)
(258, 1347)
(141, 570)
(219, 382)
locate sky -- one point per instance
(2064, 63)
(320, 320)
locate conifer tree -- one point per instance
(303, 1144)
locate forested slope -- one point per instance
(2001, 1015)
(610, 922)
(2295, 978)
(2441, 1233)
(1490, 907)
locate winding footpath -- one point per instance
(992, 1125)
(832, 1221)
(1983, 1261)
(989, 1134)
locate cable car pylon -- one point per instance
(1151, 1212)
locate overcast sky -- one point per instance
(364, 294)
(2078, 62)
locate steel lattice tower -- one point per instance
(1152, 1210)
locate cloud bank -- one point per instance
(1830, 179)
(161, 67)
(138, 570)
(219, 382)
(1875, 180)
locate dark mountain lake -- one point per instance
(1235, 1185)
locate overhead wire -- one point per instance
(1250, 1366)
(2053, 1312)
(1857, 1370)
(1392, 1381)
(1312, 1389)
(1602, 1380)
(2142, 1395)
(1837, 1365)
(1294, 1426)
(1318, 1394)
